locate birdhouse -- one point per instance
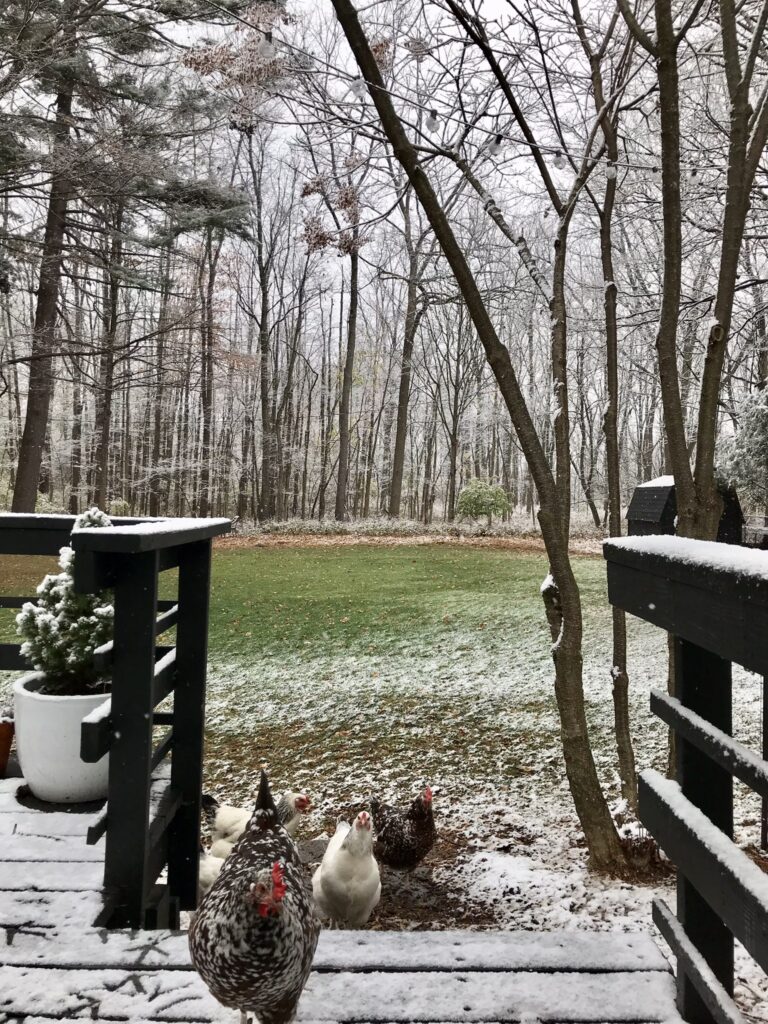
(653, 510)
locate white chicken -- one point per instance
(347, 885)
(208, 872)
(228, 823)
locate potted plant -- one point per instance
(61, 631)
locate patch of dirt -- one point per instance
(581, 546)
(415, 900)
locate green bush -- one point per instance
(479, 498)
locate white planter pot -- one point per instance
(48, 744)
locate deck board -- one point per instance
(55, 966)
(162, 995)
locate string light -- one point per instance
(610, 171)
(431, 123)
(559, 160)
(494, 146)
(358, 87)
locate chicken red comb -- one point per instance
(278, 882)
(428, 793)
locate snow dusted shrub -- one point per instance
(479, 498)
(119, 507)
(62, 629)
(745, 456)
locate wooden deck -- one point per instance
(55, 966)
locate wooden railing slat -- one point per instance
(719, 1003)
(733, 886)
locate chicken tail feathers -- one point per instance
(265, 811)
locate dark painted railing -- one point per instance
(713, 600)
(152, 817)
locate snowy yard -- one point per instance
(359, 668)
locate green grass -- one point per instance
(355, 667)
(362, 598)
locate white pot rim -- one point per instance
(27, 683)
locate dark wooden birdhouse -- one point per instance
(653, 510)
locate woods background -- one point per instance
(218, 294)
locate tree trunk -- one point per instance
(40, 386)
(562, 600)
(346, 385)
(404, 391)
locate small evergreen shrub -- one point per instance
(62, 629)
(481, 499)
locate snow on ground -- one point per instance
(474, 716)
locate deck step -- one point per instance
(356, 951)
(165, 996)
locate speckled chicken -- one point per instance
(404, 836)
(228, 823)
(255, 932)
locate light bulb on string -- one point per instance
(494, 147)
(358, 87)
(431, 123)
(559, 160)
(266, 48)
(693, 174)
(655, 173)
(610, 171)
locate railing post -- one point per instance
(703, 684)
(189, 720)
(127, 840)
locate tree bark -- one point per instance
(40, 386)
(346, 384)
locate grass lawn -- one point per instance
(352, 669)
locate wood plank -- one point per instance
(44, 910)
(717, 1002)
(734, 886)
(175, 996)
(725, 615)
(59, 876)
(721, 748)
(34, 849)
(355, 951)
(25, 822)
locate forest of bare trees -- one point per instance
(222, 294)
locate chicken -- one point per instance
(404, 836)
(210, 866)
(255, 932)
(228, 823)
(346, 884)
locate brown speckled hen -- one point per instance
(404, 836)
(254, 935)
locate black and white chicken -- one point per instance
(254, 935)
(404, 836)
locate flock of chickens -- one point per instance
(254, 935)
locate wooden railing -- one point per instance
(152, 816)
(713, 600)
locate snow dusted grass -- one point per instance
(362, 668)
(352, 668)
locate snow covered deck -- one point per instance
(54, 965)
